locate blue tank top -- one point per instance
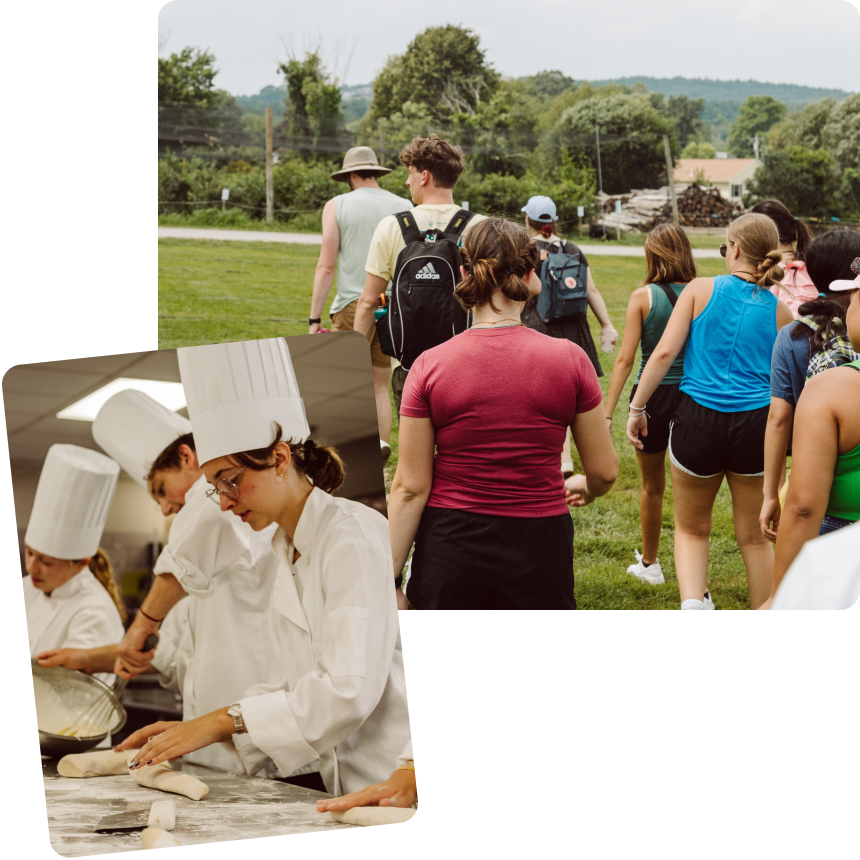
(727, 365)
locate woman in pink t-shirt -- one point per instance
(487, 511)
(797, 287)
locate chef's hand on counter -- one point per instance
(398, 790)
(163, 741)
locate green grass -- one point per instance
(211, 292)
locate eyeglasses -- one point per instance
(725, 247)
(225, 487)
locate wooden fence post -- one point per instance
(670, 173)
(270, 179)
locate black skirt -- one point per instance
(575, 329)
(464, 560)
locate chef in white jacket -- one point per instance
(71, 598)
(338, 690)
(227, 570)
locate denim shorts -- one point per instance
(832, 524)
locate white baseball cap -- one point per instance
(540, 209)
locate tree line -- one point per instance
(516, 133)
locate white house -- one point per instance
(729, 175)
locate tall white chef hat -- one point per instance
(73, 498)
(134, 429)
(235, 391)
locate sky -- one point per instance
(810, 42)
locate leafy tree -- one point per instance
(631, 144)
(849, 192)
(443, 69)
(187, 78)
(802, 128)
(686, 114)
(313, 101)
(805, 180)
(841, 134)
(194, 117)
(697, 149)
(548, 85)
(758, 115)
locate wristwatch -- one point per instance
(235, 711)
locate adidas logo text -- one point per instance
(428, 273)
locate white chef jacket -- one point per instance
(212, 642)
(339, 693)
(79, 614)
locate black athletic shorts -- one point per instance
(661, 408)
(464, 560)
(705, 442)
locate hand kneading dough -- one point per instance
(102, 763)
(163, 814)
(160, 776)
(366, 816)
(154, 838)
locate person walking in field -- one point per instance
(434, 167)
(797, 286)
(718, 426)
(348, 223)
(477, 488)
(568, 276)
(670, 267)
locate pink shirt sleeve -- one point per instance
(415, 403)
(588, 393)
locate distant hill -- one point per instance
(732, 91)
(356, 101)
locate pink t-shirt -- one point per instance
(501, 401)
(796, 288)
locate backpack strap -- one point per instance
(408, 227)
(670, 293)
(457, 224)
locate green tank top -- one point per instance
(844, 499)
(652, 330)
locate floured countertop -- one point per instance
(237, 807)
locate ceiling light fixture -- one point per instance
(169, 394)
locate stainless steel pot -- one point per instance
(77, 690)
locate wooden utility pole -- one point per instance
(670, 173)
(270, 179)
(382, 147)
(599, 174)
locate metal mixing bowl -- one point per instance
(78, 691)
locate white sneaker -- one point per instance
(567, 468)
(651, 573)
(708, 601)
(384, 450)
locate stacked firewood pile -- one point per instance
(644, 209)
(700, 207)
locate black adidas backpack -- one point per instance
(422, 311)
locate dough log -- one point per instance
(160, 776)
(101, 763)
(153, 837)
(162, 814)
(367, 816)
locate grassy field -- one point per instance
(219, 291)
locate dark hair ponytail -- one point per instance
(497, 255)
(321, 463)
(791, 230)
(828, 259)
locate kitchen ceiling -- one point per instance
(333, 372)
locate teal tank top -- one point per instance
(653, 327)
(727, 365)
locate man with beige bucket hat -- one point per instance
(348, 223)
